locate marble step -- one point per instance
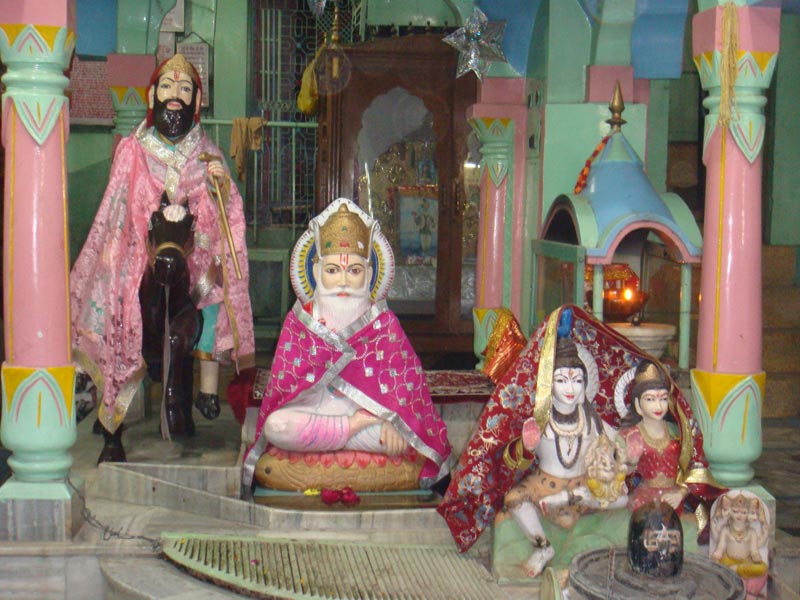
(128, 484)
(154, 579)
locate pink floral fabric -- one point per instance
(482, 479)
(104, 282)
(375, 366)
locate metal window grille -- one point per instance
(287, 35)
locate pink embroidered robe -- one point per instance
(104, 282)
(372, 363)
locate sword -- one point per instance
(207, 158)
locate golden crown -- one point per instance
(180, 64)
(344, 233)
(649, 374)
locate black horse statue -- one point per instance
(171, 323)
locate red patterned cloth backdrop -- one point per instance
(481, 479)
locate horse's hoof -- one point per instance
(207, 404)
(112, 453)
(112, 449)
(176, 420)
(85, 396)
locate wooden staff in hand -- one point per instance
(207, 158)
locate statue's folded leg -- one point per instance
(527, 517)
(301, 431)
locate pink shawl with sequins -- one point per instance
(104, 282)
(373, 363)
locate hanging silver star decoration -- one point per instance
(478, 44)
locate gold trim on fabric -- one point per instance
(504, 317)
(204, 284)
(659, 444)
(174, 157)
(659, 481)
(544, 378)
(112, 420)
(202, 355)
(701, 475)
(687, 446)
(702, 516)
(84, 361)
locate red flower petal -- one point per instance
(330, 496)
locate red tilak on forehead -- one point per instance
(176, 75)
(344, 260)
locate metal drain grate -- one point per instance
(264, 568)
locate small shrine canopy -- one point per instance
(618, 199)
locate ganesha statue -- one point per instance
(347, 404)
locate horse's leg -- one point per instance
(185, 328)
(112, 448)
(152, 300)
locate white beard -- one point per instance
(339, 312)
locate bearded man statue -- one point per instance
(346, 388)
(166, 161)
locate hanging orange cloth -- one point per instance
(246, 134)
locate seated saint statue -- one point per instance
(347, 404)
(545, 464)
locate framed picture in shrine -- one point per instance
(417, 210)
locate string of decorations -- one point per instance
(580, 184)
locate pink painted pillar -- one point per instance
(489, 267)
(38, 424)
(728, 383)
(499, 119)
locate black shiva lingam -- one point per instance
(654, 565)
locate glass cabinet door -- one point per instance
(397, 183)
(395, 141)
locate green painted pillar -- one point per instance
(38, 378)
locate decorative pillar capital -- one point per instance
(130, 107)
(497, 145)
(36, 56)
(735, 52)
(128, 79)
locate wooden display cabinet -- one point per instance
(393, 137)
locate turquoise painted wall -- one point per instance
(657, 134)
(138, 22)
(782, 160)
(88, 165)
(569, 43)
(231, 52)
